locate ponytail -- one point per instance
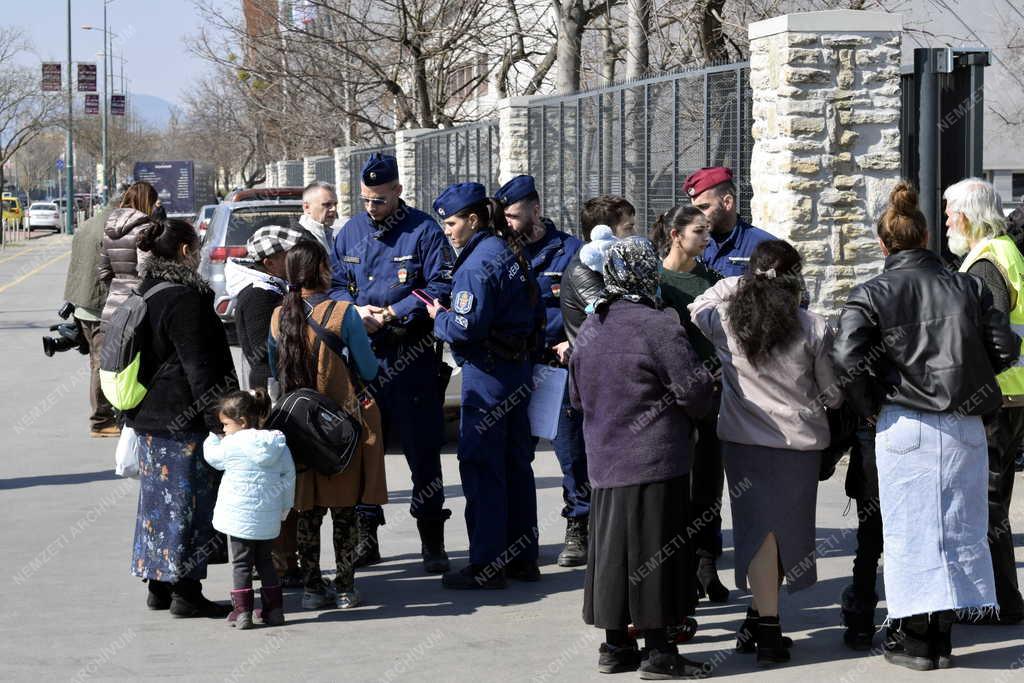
(296, 368)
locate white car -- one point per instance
(43, 215)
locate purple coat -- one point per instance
(639, 383)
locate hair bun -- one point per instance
(148, 235)
(904, 199)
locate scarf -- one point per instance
(632, 271)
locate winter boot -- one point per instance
(272, 602)
(707, 579)
(187, 600)
(858, 616)
(241, 615)
(658, 665)
(770, 647)
(916, 651)
(158, 594)
(574, 554)
(435, 559)
(368, 549)
(940, 630)
(746, 636)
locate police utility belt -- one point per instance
(507, 347)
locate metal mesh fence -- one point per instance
(293, 173)
(466, 153)
(324, 169)
(641, 140)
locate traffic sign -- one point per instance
(60, 164)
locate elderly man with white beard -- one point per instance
(976, 231)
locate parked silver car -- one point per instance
(232, 224)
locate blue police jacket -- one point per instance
(380, 264)
(723, 257)
(549, 258)
(490, 294)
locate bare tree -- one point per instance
(25, 111)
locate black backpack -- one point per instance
(321, 435)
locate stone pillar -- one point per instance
(271, 175)
(826, 110)
(405, 153)
(343, 183)
(513, 138)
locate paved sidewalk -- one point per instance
(69, 610)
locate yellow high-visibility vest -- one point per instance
(1003, 253)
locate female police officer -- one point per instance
(494, 327)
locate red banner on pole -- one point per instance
(86, 78)
(118, 104)
(51, 76)
(92, 103)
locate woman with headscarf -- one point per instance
(637, 430)
(776, 381)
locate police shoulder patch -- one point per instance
(462, 302)
(461, 321)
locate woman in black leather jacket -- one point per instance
(917, 351)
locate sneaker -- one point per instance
(349, 599)
(574, 554)
(660, 666)
(615, 660)
(323, 597)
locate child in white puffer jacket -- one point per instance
(256, 493)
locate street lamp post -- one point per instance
(69, 161)
(107, 79)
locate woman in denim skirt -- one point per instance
(917, 351)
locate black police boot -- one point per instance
(574, 554)
(368, 549)
(770, 647)
(858, 616)
(475, 577)
(435, 559)
(707, 578)
(940, 630)
(916, 652)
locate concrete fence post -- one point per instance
(513, 137)
(405, 153)
(826, 112)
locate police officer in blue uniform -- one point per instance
(381, 256)
(713, 191)
(494, 327)
(550, 250)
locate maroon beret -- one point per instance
(705, 179)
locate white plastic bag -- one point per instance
(126, 457)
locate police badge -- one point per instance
(403, 275)
(462, 302)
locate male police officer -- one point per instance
(732, 240)
(380, 257)
(549, 251)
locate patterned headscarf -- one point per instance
(631, 272)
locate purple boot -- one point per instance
(241, 616)
(272, 613)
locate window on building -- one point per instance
(1018, 186)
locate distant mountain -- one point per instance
(151, 109)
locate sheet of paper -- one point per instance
(546, 400)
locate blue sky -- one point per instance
(152, 36)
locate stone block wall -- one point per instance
(826, 110)
(513, 138)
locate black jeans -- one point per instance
(244, 555)
(1005, 434)
(707, 478)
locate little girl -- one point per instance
(256, 493)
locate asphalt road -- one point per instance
(69, 609)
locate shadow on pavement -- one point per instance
(57, 479)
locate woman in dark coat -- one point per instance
(190, 367)
(637, 424)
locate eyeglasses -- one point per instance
(376, 201)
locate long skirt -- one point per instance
(174, 534)
(639, 560)
(773, 490)
(932, 480)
